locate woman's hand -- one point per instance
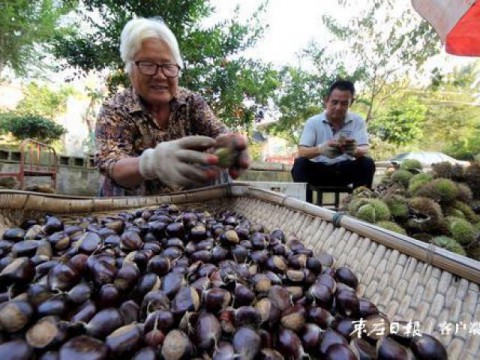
(236, 147)
(179, 162)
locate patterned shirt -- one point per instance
(125, 129)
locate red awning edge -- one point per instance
(464, 38)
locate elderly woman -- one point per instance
(153, 137)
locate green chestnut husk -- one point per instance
(227, 157)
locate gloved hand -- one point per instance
(237, 144)
(330, 149)
(349, 146)
(178, 162)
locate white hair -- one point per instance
(137, 30)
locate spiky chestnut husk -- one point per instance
(387, 179)
(447, 170)
(473, 250)
(425, 237)
(417, 181)
(475, 205)
(450, 218)
(383, 213)
(462, 231)
(426, 206)
(345, 203)
(373, 211)
(363, 192)
(422, 177)
(412, 165)
(397, 205)
(227, 157)
(401, 177)
(440, 189)
(393, 226)
(476, 226)
(458, 173)
(355, 204)
(366, 213)
(450, 211)
(467, 211)
(413, 188)
(427, 215)
(390, 170)
(472, 178)
(442, 169)
(464, 193)
(382, 190)
(449, 244)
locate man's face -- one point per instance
(155, 89)
(337, 105)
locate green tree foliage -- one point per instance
(388, 41)
(42, 100)
(453, 117)
(26, 26)
(31, 126)
(236, 87)
(34, 114)
(444, 116)
(401, 123)
(386, 44)
(302, 92)
(299, 98)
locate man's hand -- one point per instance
(349, 146)
(178, 162)
(330, 149)
(235, 146)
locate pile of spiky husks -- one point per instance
(441, 206)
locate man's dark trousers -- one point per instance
(358, 172)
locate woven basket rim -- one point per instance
(65, 204)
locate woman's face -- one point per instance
(155, 90)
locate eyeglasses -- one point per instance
(151, 69)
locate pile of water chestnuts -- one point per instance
(174, 284)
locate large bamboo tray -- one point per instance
(405, 278)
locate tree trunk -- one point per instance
(2, 67)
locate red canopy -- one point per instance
(457, 22)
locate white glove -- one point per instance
(178, 162)
(349, 146)
(329, 150)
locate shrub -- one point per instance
(31, 126)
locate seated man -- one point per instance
(334, 144)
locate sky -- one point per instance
(293, 23)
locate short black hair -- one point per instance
(343, 85)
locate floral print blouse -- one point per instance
(125, 129)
